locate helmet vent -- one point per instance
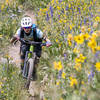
(26, 22)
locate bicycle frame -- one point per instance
(29, 54)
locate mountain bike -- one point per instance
(29, 62)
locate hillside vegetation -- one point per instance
(70, 68)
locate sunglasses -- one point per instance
(27, 27)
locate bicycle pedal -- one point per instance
(25, 77)
(34, 78)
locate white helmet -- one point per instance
(26, 22)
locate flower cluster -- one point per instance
(73, 27)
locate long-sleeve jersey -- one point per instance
(29, 36)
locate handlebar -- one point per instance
(31, 42)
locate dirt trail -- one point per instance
(34, 90)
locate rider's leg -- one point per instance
(35, 68)
(23, 50)
(22, 64)
(36, 62)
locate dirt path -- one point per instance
(14, 54)
(34, 89)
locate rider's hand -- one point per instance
(14, 39)
(48, 43)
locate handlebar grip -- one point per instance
(43, 44)
(24, 41)
(14, 43)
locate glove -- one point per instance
(48, 43)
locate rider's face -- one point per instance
(27, 30)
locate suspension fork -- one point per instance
(25, 64)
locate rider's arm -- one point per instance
(40, 35)
(46, 39)
(16, 36)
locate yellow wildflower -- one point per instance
(59, 44)
(52, 1)
(57, 1)
(58, 65)
(60, 21)
(86, 36)
(98, 33)
(7, 56)
(79, 39)
(2, 92)
(70, 78)
(0, 85)
(79, 26)
(82, 82)
(63, 75)
(89, 72)
(69, 43)
(43, 10)
(80, 59)
(70, 37)
(45, 99)
(97, 65)
(64, 21)
(91, 3)
(71, 26)
(2, 7)
(77, 60)
(61, 98)
(73, 81)
(77, 66)
(83, 29)
(69, 5)
(76, 50)
(58, 82)
(55, 65)
(58, 7)
(98, 48)
(92, 44)
(57, 40)
(83, 91)
(40, 9)
(94, 35)
(97, 19)
(0, 36)
(7, 1)
(89, 29)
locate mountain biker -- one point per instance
(29, 31)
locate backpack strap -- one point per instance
(34, 29)
(22, 33)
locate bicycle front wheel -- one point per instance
(31, 67)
